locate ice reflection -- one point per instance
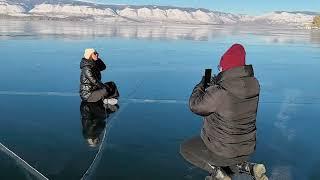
(93, 116)
(79, 30)
(287, 110)
(315, 36)
(94, 128)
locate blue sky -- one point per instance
(234, 6)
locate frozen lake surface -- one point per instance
(155, 68)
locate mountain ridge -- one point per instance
(31, 3)
(144, 13)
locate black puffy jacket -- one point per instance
(229, 107)
(90, 78)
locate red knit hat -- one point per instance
(234, 57)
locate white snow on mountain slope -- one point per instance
(127, 12)
(108, 13)
(140, 14)
(6, 8)
(68, 9)
(283, 18)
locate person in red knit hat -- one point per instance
(229, 105)
(234, 57)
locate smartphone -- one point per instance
(207, 76)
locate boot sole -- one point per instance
(259, 171)
(264, 177)
(226, 178)
(222, 176)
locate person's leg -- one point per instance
(97, 95)
(195, 152)
(112, 89)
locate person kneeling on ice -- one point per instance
(91, 87)
(229, 106)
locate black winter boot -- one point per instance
(217, 174)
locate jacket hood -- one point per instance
(84, 62)
(240, 81)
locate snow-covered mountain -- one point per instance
(165, 14)
(11, 9)
(288, 18)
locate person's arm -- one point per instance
(204, 102)
(88, 73)
(100, 64)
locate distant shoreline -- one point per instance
(11, 28)
(74, 11)
(115, 21)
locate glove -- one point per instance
(213, 80)
(201, 83)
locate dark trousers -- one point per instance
(109, 91)
(195, 152)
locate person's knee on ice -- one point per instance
(229, 106)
